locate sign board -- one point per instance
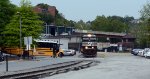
(25, 40)
(114, 45)
(28, 40)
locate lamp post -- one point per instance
(20, 33)
(20, 29)
(46, 28)
(80, 35)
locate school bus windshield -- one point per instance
(46, 45)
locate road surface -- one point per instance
(112, 66)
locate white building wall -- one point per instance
(64, 43)
(75, 40)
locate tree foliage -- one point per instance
(43, 6)
(143, 33)
(31, 25)
(109, 24)
(58, 19)
(145, 12)
(139, 31)
(7, 10)
(81, 25)
(47, 18)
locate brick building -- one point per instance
(49, 9)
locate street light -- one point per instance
(46, 29)
(20, 30)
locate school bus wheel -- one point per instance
(60, 54)
(19, 55)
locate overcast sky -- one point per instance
(87, 10)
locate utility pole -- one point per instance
(20, 33)
(80, 35)
(46, 29)
(20, 29)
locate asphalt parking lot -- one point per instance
(112, 66)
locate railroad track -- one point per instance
(45, 71)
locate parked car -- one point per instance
(147, 54)
(145, 50)
(1, 57)
(73, 51)
(135, 51)
(68, 52)
(141, 52)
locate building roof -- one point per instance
(100, 32)
(45, 41)
(128, 36)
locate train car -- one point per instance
(89, 45)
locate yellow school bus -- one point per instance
(13, 50)
(43, 48)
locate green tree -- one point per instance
(128, 19)
(109, 24)
(116, 18)
(7, 10)
(145, 12)
(118, 26)
(100, 23)
(144, 37)
(46, 17)
(81, 25)
(60, 20)
(148, 32)
(72, 23)
(31, 25)
(43, 6)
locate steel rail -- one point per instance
(49, 70)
